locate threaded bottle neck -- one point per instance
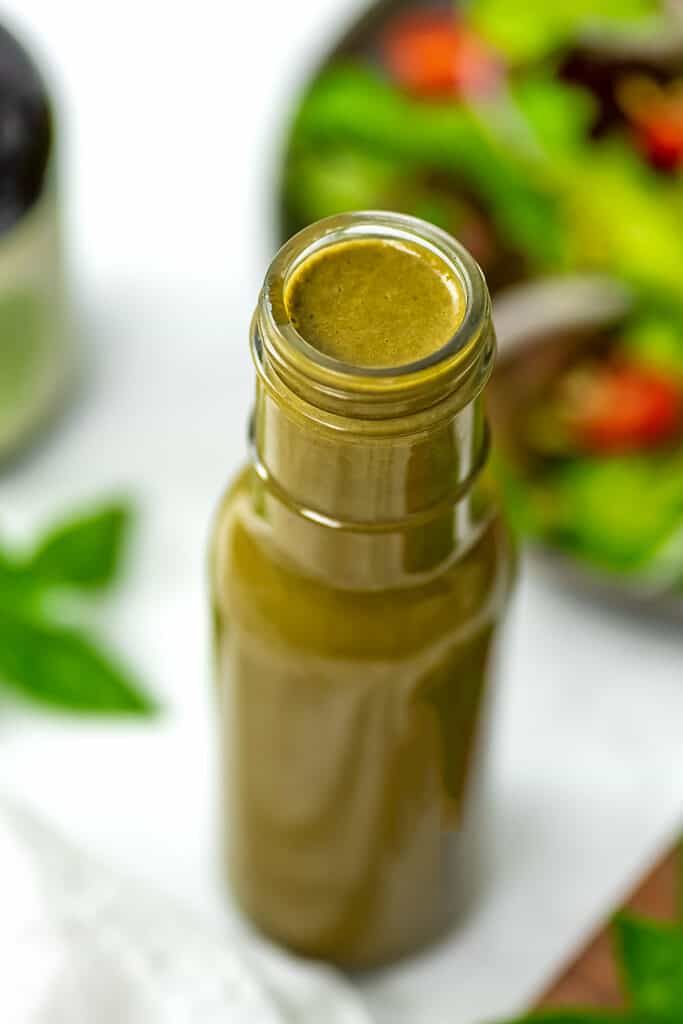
(375, 401)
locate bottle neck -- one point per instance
(367, 473)
(353, 482)
(368, 511)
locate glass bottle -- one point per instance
(359, 572)
(35, 339)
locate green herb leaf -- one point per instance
(650, 955)
(61, 667)
(652, 959)
(84, 552)
(18, 588)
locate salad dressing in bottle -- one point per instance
(359, 571)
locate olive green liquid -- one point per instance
(353, 660)
(375, 303)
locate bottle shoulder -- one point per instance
(245, 508)
(255, 582)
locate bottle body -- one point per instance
(353, 722)
(359, 573)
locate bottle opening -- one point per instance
(373, 315)
(375, 302)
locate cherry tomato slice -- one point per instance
(431, 55)
(660, 138)
(628, 408)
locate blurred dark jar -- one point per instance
(35, 340)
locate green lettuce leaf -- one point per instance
(623, 219)
(329, 180)
(656, 340)
(616, 512)
(351, 108)
(558, 114)
(526, 30)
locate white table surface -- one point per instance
(168, 158)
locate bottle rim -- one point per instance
(463, 363)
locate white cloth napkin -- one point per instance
(79, 944)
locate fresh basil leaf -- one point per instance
(652, 959)
(61, 667)
(84, 552)
(18, 588)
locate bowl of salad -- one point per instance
(587, 407)
(549, 139)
